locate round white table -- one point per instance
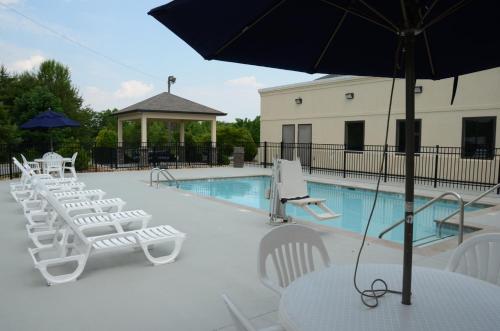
(327, 301)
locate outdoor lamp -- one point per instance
(298, 100)
(170, 81)
(419, 89)
(349, 96)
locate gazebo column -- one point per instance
(213, 131)
(213, 139)
(120, 156)
(181, 153)
(143, 158)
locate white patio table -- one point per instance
(327, 301)
(42, 161)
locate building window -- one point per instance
(354, 138)
(478, 137)
(401, 135)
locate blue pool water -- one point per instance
(353, 204)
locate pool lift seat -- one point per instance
(289, 187)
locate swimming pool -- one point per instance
(354, 204)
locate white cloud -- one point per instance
(27, 64)
(128, 93)
(9, 2)
(245, 81)
(133, 89)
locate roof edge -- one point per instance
(318, 82)
(219, 113)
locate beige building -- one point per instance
(352, 111)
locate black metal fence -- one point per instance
(122, 157)
(436, 165)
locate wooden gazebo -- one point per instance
(168, 107)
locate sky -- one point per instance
(119, 55)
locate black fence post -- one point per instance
(345, 154)
(265, 154)
(210, 154)
(9, 151)
(177, 149)
(281, 150)
(310, 157)
(385, 162)
(436, 160)
(498, 179)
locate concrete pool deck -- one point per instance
(122, 291)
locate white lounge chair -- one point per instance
(478, 257)
(44, 217)
(289, 187)
(241, 322)
(82, 245)
(290, 248)
(24, 189)
(128, 220)
(34, 165)
(70, 165)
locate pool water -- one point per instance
(354, 205)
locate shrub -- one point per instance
(71, 146)
(106, 138)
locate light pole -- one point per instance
(170, 81)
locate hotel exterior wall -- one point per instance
(325, 106)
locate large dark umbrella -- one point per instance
(438, 39)
(48, 120)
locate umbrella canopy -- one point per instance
(48, 120)
(339, 36)
(437, 39)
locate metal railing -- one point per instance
(476, 199)
(428, 204)
(166, 174)
(453, 167)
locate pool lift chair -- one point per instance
(289, 187)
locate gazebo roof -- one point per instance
(169, 103)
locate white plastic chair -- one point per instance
(291, 250)
(241, 322)
(71, 165)
(478, 257)
(33, 165)
(53, 162)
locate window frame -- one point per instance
(398, 135)
(491, 155)
(346, 135)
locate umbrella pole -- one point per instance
(409, 48)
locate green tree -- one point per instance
(131, 133)
(253, 126)
(106, 138)
(158, 133)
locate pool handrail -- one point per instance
(476, 199)
(168, 176)
(425, 206)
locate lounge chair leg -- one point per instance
(166, 258)
(42, 266)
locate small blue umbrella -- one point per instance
(48, 120)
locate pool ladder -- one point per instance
(166, 174)
(459, 211)
(430, 203)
